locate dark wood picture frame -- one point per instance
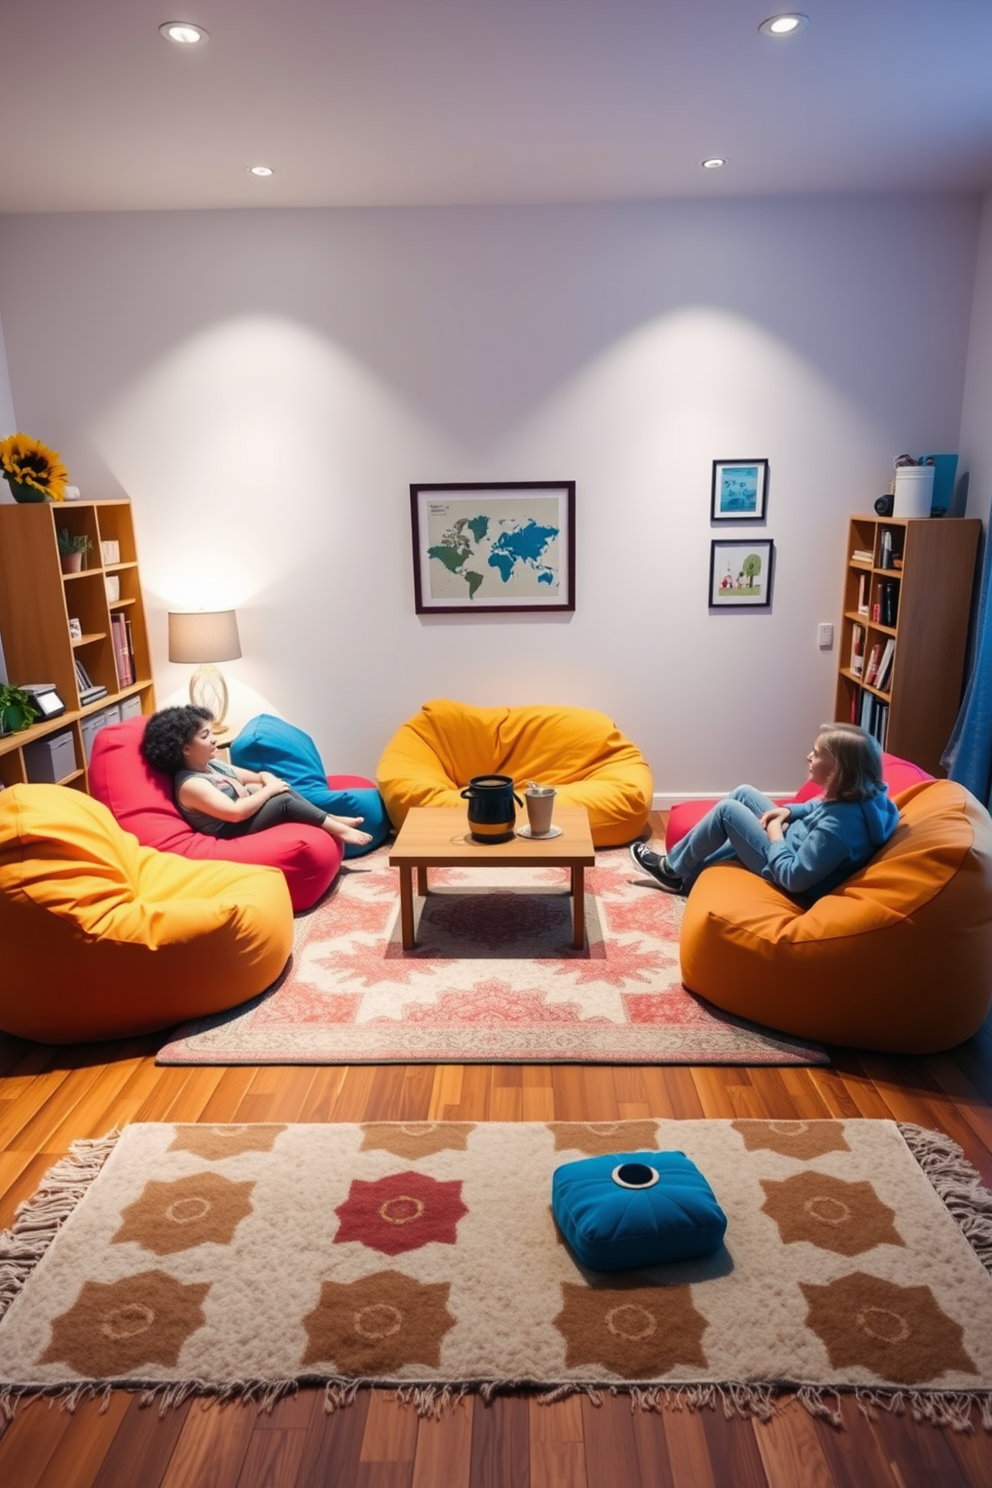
(461, 568)
(727, 567)
(739, 491)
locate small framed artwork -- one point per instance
(486, 549)
(740, 490)
(741, 573)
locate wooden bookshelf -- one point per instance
(908, 582)
(37, 601)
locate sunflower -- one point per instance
(31, 463)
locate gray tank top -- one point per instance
(200, 821)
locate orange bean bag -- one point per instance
(898, 958)
(434, 755)
(102, 938)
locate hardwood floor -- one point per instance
(51, 1096)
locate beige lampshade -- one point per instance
(203, 637)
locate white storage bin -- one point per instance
(914, 491)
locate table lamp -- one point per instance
(204, 637)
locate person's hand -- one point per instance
(779, 815)
(276, 787)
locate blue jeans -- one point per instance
(730, 833)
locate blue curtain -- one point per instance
(968, 756)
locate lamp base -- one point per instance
(207, 689)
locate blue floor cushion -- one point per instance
(636, 1209)
(270, 743)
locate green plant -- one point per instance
(17, 712)
(73, 542)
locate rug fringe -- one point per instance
(957, 1183)
(38, 1220)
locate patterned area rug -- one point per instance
(494, 978)
(238, 1260)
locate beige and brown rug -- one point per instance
(239, 1260)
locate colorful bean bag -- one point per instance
(898, 774)
(898, 958)
(105, 939)
(433, 756)
(270, 743)
(141, 800)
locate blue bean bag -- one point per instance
(636, 1209)
(270, 743)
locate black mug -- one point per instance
(491, 817)
(883, 505)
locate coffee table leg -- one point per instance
(406, 908)
(422, 882)
(578, 907)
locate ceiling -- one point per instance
(387, 102)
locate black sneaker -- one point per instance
(657, 866)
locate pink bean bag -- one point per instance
(141, 800)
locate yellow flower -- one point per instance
(31, 463)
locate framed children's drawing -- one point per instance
(741, 574)
(740, 490)
(491, 548)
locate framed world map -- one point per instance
(483, 548)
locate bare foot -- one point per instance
(345, 821)
(349, 834)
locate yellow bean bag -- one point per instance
(101, 938)
(434, 755)
(898, 958)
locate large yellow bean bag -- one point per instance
(101, 938)
(433, 756)
(898, 958)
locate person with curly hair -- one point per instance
(221, 799)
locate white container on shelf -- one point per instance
(914, 491)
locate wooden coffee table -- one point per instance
(438, 837)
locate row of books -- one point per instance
(872, 714)
(884, 607)
(89, 691)
(876, 670)
(120, 632)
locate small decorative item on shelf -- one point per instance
(16, 711)
(32, 470)
(73, 547)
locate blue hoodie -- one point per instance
(826, 841)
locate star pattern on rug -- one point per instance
(378, 1324)
(400, 1212)
(116, 1327)
(848, 1218)
(900, 1333)
(174, 1216)
(634, 1331)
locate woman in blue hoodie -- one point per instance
(807, 848)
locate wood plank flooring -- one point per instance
(51, 1096)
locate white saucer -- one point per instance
(538, 836)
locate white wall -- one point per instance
(7, 426)
(266, 385)
(976, 413)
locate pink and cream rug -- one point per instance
(494, 978)
(241, 1260)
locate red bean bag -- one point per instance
(141, 800)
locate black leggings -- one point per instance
(287, 806)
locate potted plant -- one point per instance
(17, 712)
(32, 470)
(73, 547)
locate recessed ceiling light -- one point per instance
(714, 162)
(786, 24)
(183, 33)
(260, 170)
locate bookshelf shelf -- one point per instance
(908, 611)
(37, 601)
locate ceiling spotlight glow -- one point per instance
(714, 162)
(260, 170)
(183, 33)
(786, 24)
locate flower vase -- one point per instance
(23, 492)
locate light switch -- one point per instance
(825, 636)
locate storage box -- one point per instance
(47, 761)
(112, 584)
(89, 727)
(130, 707)
(913, 491)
